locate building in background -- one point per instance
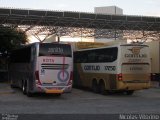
(108, 34)
(111, 10)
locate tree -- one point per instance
(11, 38)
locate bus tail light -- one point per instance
(153, 76)
(71, 78)
(119, 76)
(37, 78)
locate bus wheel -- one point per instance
(29, 94)
(102, 88)
(130, 92)
(24, 87)
(58, 94)
(12, 85)
(95, 86)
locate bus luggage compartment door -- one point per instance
(135, 72)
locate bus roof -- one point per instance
(133, 44)
(117, 45)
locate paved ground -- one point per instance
(5, 89)
(12, 101)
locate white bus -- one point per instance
(42, 67)
(123, 68)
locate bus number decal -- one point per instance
(42, 72)
(110, 68)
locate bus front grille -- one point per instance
(54, 66)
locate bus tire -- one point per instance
(58, 94)
(130, 92)
(102, 88)
(13, 86)
(24, 87)
(29, 94)
(95, 88)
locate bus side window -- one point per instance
(21, 55)
(107, 55)
(91, 56)
(78, 57)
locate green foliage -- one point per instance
(11, 38)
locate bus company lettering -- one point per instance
(134, 68)
(55, 50)
(48, 60)
(92, 67)
(135, 55)
(110, 68)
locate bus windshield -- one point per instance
(47, 49)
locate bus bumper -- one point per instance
(133, 86)
(53, 89)
(68, 89)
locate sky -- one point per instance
(130, 7)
